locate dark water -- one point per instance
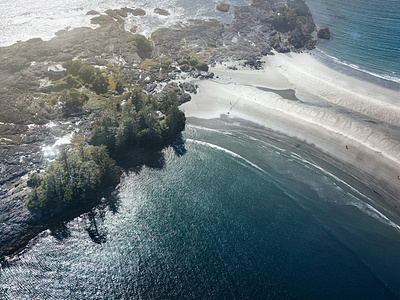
(232, 214)
(226, 215)
(365, 34)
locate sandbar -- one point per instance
(352, 121)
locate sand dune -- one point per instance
(354, 122)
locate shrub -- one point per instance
(143, 46)
(284, 19)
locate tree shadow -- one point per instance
(179, 146)
(94, 214)
(97, 235)
(136, 159)
(60, 231)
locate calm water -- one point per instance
(226, 215)
(365, 34)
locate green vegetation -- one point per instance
(67, 82)
(284, 19)
(80, 172)
(88, 76)
(192, 61)
(296, 37)
(72, 101)
(147, 64)
(288, 19)
(139, 122)
(73, 180)
(143, 46)
(132, 120)
(115, 83)
(299, 6)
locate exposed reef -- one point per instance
(223, 7)
(324, 33)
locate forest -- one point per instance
(84, 170)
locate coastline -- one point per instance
(349, 121)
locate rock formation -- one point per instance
(324, 34)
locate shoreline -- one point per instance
(350, 122)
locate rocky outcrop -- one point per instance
(161, 12)
(223, 7)
(17, 225)
(92, 13)
(136, 12)
(250, 36)
(324, 33)
(177, 41)
(23, 83)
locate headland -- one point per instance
(250, 69)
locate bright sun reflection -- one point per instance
(51, 151)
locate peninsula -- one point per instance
(250, 69)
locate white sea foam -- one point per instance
(356, 202)
(233, 154)
(23, 20)
(374, 213)
(351, 201)
(358, 68)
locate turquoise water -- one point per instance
(365, 34)
(227, 214)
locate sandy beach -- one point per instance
(353, 122)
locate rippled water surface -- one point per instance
(226, 214)
(365, 34)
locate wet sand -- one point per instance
(352, 121)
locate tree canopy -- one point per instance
(91, 77)
(75, 178)
(139, 122)
(143, 46)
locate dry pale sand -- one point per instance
(354, 122)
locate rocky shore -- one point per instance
(28, 122)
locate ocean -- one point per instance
(227, 212)
(224, 214)
(365, 34)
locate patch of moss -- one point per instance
(147, 64)
(96, 102)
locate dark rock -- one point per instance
(168, 41)
(138, 12)
(223, 7)
(324, 34)
(92, 13)
(133, 29)
(112, 13)
(161, 12)
(135, 12)
(151, 87)
(160, 77)
(101, 20)
(128, 10)
(254, 64)
(185, 97)
(122, 13)
(188, 87)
